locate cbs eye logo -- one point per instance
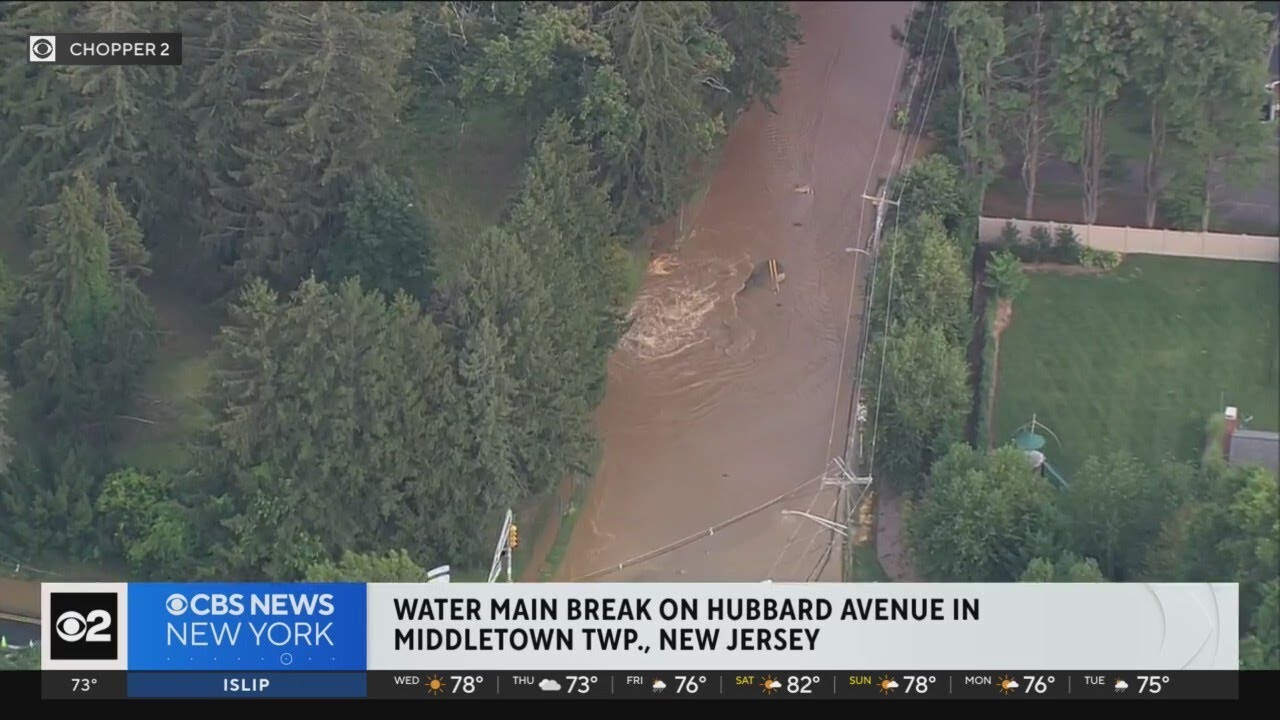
(84, 626)
(42, 48)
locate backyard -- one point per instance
(1137, 359)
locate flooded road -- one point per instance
(721, 399)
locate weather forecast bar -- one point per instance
(655, 685)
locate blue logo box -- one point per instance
(247, 626)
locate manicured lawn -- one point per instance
(1138, 359)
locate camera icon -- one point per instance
(42, 48)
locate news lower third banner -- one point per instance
(283, 629)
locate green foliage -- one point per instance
(119, 125)
(1005, 276)
(519, 398)
(983, 517)
(335, 428)
(564, 222)
(385, 240)
(310, 125)
(83, 331)
(441, 374)
(1229, 532)
(6, 441)
(1260, 649)
(932, 187)
(533, 61)
(978, 29)
(758, 35)
(1066, 246)
(152, 531)
(987, 380)
(20, 659)
(1222, 140)
(392, 567)
(1114, 509)
(926, 273)
(665, 52)
(1070, 568)
(54, 482)
(923, 400)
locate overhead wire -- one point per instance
(853, 282)
(909, 146)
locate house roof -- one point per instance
(1255, 447)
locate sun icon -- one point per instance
(1007, 684)
(770, 684)
(887, 684)
(435, 685)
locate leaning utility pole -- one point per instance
(508, 539)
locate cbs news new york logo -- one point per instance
(106, 48)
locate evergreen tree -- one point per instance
(331, 429)
(332, 88)
(6, 442)
(499, 312)
(758, 34)
(385, 240)
(120, 128)
(664, 52)
(84, 331)
(220, 80)
(563, 220)
(34, 96)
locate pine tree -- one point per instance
(664, 52)
(84, 330)
(498, 286)
(564, 222)
(331, 429)
(34, 95)
(121, 128)
(331, 88)
(385, 240)
(219, 81)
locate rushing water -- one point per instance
(721, 399)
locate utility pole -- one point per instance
(881, 202)
(508, 539)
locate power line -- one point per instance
(897, 216)
(908, 149)
(853, 281)
(670, 547)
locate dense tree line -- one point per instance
(379, 385)
(1023, 82)
(987, 517)
(920, 326)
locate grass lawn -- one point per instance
(1138, 359)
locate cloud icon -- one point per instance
(1122, 685)
(549, 685)
(659, 685)
(892, 684)
(1011, 684)
(772, 684)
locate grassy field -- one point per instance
(1139, 358)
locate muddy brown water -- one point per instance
(720, 400)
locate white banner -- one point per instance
(784, 627)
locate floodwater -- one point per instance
(719, 401)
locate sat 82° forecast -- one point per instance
(237, 627)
